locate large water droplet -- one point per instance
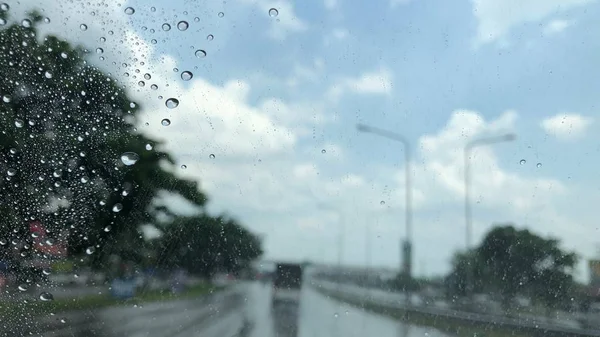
(186, 75)
(221, 14)
(523, 161)
(200, 53)
(26, 23)
(210, 37)
(4, 6)
(382, 202)
(90, 250)
(2, 22)
(19, 123)
(538, 165)
(183, 167)
(182, 25)
(46, 271)
(323, 151)
(211, 156)
(99, 50)
(165, 122)
(117, 207)
(22, 287)
(11, 172)
(154, 87)
(172, 103)
(83, 27)
(166, 27)
(273, 12)
(147, 76)
(149, 147)
(48, 75)
(129, 10)
(46, 297)
(129, 158)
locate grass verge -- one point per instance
(37, 307)
(451, 326)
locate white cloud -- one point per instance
(556, 26)
(566, 126)
(496, 18)
(375, 82)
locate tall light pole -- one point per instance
(468, 213)
(406, 249)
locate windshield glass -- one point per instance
(299, 168)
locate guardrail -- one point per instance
(486, 320)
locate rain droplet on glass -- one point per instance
(210, 37)
(522, 162)
(221, 14)
(186, 75)
(90, 250)
(129, 10)
(117, 207)
(46, 297)
(149, 147)
(200, 53)
(182, 25)
(172, 103)
(83, 27)
(129, 158)
(211, 156)
(165, 122)
(147, 76)
(166, 27)
(26, 23)
(538, 165)
(273, 12)
(183, 167)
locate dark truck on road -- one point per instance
(287, 283)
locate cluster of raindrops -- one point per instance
(524, 161)
(51, 172)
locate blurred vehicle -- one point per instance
(287, 283)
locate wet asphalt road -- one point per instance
(242, 311)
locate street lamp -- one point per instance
(468, 213)
(407, 247)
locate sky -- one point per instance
(267, 123)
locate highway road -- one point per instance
(242, 311)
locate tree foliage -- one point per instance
(204, 245)
(510, 261)
(64, 128)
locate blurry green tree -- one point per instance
(72, 158)
(510, 261)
